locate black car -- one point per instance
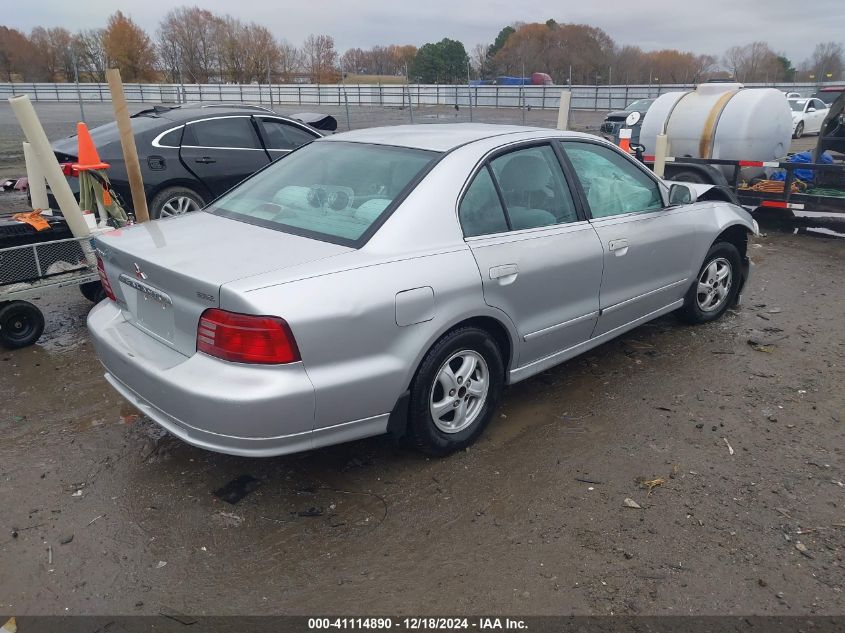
(616, 120)
(189, 155)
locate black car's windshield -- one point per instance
(640, 105)
(332, 190)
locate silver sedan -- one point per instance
(395, 280)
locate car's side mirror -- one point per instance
(811, 109)
(681, 194)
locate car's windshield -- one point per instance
(326, 190)
(797, 105)
(640, 105)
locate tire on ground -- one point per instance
(425, 433)
(691, 312)
(93, 291)
(169, 195)
(21, 324)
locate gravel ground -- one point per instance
(105, 514)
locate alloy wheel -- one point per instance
(178, 205)
(459, 391)
(714, 285)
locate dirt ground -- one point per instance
(105, 514)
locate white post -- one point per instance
(563, 110)
(661, 147)
(36, 136)
(35, 178)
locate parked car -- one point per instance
(189, 155)
(396, 280)
(829, 94)
(793, 95)
(807, 116)
(630, 117)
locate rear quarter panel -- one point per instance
(345, 324)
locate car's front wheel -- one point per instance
(174, 201)
(456, 391)
(715, 288)
(799, 130)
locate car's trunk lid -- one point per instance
(165, 273)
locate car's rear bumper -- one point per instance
(227, 407)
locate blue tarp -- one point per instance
(802, 174)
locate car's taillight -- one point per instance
(244, 338)
(104, 279)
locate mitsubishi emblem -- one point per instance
(139, 273)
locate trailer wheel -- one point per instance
(689, 176)
(93, 291)
(21, 323)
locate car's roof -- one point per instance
(439, 137)
(197, 111)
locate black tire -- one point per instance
(423, 429)
(692, 311)
(164, 202)
(799, 130)
(689, 176)
(21, 323)
(93, 291)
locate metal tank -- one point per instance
(721, 120)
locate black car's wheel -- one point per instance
(455, 391)
(93, 291)
(21, 323)
(714, 289)
(799, 130)
(174, 201)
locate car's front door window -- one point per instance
(613, 185)
(534, 188)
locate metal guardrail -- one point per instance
(381, 95)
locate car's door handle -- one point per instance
(618, 247)
(205, 160)
(504, 274)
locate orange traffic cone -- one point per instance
(625, 140)
(88, 157)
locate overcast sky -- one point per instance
(702, 26)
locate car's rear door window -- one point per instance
(231, 132)
(280, 135)
(481, 212)
(332, 190)
(612, 184)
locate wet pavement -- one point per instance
(733, 451)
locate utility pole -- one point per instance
(522, 93)
(469, 93)
(269, 82)
(78, 91)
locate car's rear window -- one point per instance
(334, 191)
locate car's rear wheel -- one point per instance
(456, 391)
(799, 130)
(714, 289)
(174, 201)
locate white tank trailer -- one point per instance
(721, 120)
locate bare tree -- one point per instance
(91, 55)
(320, 58)
(755, 62)
(187, 40)
(290, 61)
(129, 48)
(826, 62)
